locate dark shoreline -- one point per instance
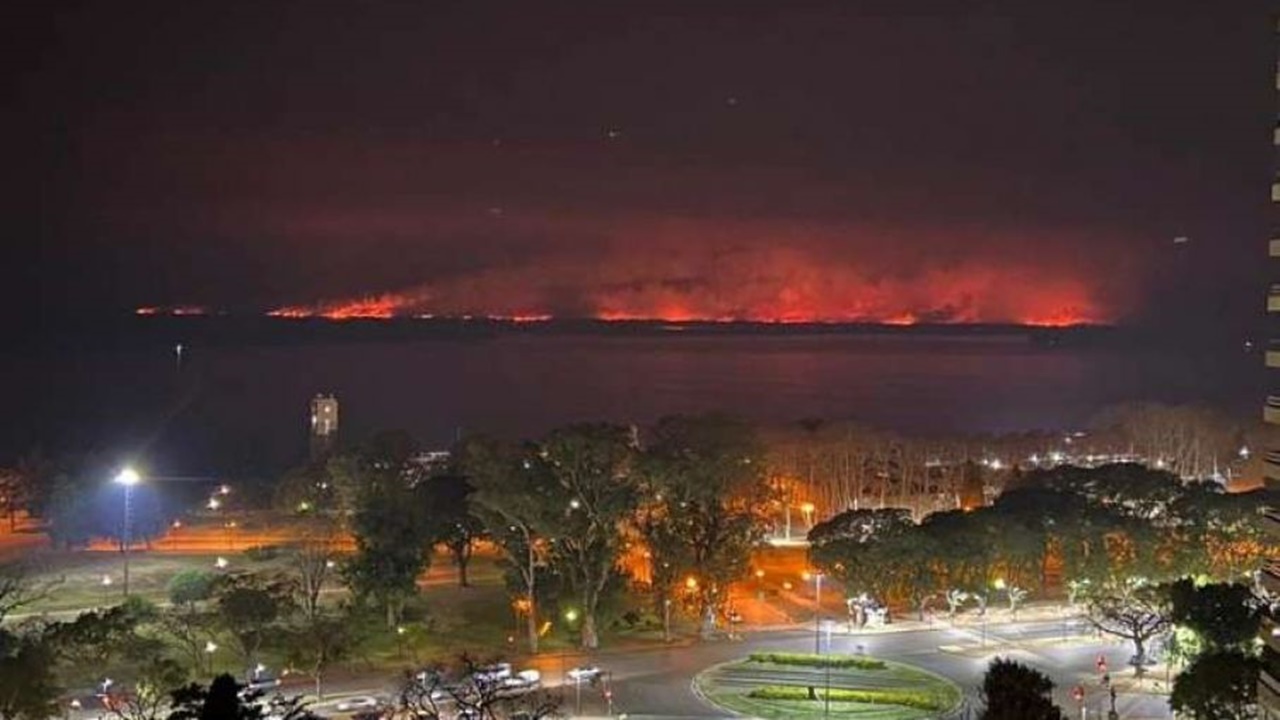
(220, 330)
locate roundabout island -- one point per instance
(801, 685)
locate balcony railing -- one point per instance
(1268, 691)
(1270, 579)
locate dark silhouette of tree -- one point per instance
(28, 679)
(705, 492)
(585, 475)
(1013, 691)
(1226, 616)
(508, 502)
(250, 609)
(451, 523)
(1218, 685)
(390, 529)
(461, 690)
(222, 699)
(391, 548)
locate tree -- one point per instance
(318, 643)
(450, 520)
(391, 546)
(851, 547)
(705, 492)
(909, 569)
(109, 640)
(151, 691)
(313, 564)
(860, 526)
(308, 489)
(69, 513)
(388, 524)
(583, 473)
(190, 587)
(508, 503)
(460, 691)
(19, 588)
(226, 699)
(250, 607)
(191, 630)
(1013, 691)
(28, 680)
(1134, 610)
(1218, 685)
(1225, 616)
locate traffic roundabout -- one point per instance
(800, 685)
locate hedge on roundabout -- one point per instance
(776, 685)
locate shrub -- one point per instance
(811, 660)
(190, 586)
(906, 698)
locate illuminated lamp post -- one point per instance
(128, 477)
(817, 610)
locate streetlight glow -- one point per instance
(127, 478)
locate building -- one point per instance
(324, 425)
(1269, 677)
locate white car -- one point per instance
(522, 682)
(362, 702)
(493, 673)
(585, 673)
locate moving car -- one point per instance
(492, 673)
(584, 673)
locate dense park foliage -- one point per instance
(590, 518)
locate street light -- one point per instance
(128, 477)
(817, 610)
(210, 647)
(807, 509)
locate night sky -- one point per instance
(886, 160)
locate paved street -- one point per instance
(658, 682)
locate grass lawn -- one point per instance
(731, 686)
(78, 577)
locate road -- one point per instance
(658, 682)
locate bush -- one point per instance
(262, 553)
(906, 698)
(811, 660)
(190, 586)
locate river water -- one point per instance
(244, 407)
